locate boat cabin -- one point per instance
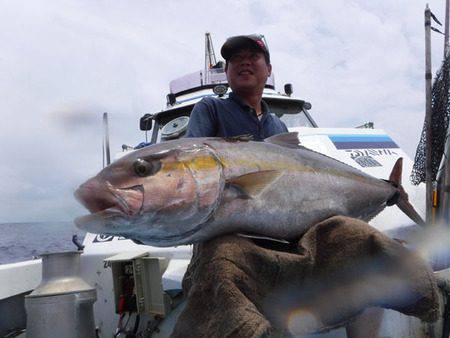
(186, 91)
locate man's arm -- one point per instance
(202, 122)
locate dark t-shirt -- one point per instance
(232, 117)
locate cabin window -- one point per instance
(298, 120)
(290, 112)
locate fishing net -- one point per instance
(440, 109)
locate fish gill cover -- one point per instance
(440, 111)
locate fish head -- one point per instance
(156, 195)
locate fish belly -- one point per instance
(297, 201)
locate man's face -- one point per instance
(247, 71)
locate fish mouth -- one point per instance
(129, 200)
(104, 200)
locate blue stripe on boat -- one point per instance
(362, 141)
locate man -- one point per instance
(241, 287)
(243, 112)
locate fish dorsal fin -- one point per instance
(239, 138)
(250, 185)
(289, 140)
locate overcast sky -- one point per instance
(63, 63)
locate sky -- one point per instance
(64, 63)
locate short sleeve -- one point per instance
(201, 122)
(284, 127)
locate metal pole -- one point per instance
(106, 135)
(446, 33)
(428, 76)
(206, 57)
(155, 132)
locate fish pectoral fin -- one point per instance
(289, 140)
(250, 185)
(233, 192)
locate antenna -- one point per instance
(106, 150)
(210, 56)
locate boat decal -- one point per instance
(365, 157)
(354, 153)
(367, 141)
(101, 238)
(367, 161)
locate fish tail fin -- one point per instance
(401, 197)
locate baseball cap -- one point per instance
(236, 43)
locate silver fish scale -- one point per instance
(311, 188)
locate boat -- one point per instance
(151, 306)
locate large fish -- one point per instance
(192, 189)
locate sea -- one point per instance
(24, 241)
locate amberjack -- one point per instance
(192, 189)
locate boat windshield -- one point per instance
(290, 112)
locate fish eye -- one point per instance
(142, 168)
